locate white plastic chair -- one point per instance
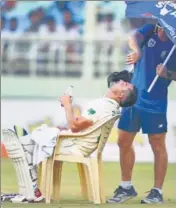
(90, 168)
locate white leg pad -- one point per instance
(16, 153)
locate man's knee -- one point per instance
(157, 142)
(125, 139)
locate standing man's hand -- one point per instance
(161, 71)
(133, 57)
(65, 100)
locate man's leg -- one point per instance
(156, 127)
(129, 124)
(16, 153)
(157, 142)
(127, 154)
(28, 146)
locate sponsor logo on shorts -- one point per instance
(160, 125)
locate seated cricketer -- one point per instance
(119, 94)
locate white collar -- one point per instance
(111, 101)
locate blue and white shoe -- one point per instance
(154, 197)
(121, 195)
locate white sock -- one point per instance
(126, 184)
(159, 190)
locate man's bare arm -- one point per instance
(76, 124)
(69, 114)
(80, 123)
(134, 42)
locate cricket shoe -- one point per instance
(154, 197)
(22, 199)
(121, 195)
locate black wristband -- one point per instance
(169, 74)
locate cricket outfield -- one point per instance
(70, 190)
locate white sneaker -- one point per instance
(22, 199)
(19, 199)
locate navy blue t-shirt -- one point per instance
(154, 52)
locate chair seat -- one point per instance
(71, 158)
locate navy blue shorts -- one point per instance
(133, 119)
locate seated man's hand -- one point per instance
(161, 70)
(65, 100)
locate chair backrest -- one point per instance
(105, 128)
(105, 132)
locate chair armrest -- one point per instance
(70, 135)
(63, 135)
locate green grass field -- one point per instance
(70, 190)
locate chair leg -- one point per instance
(49, 178)
(94, 179)
(83, 182)
(89, 188)
(57, 179)
(102, 195)
(43, 178)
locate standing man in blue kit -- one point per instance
(149, 113)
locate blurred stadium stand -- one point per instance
(33, 15)
(46, 38)
(51, 38)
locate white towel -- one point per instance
(45, 140)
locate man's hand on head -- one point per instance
(133, 57)
(65, 100)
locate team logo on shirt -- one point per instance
(163, 54)
(151, 43)
(91, 111)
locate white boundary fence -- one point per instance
(52, 55)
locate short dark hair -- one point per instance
(130, 98)
(117, 76)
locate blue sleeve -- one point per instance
(146, 30)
